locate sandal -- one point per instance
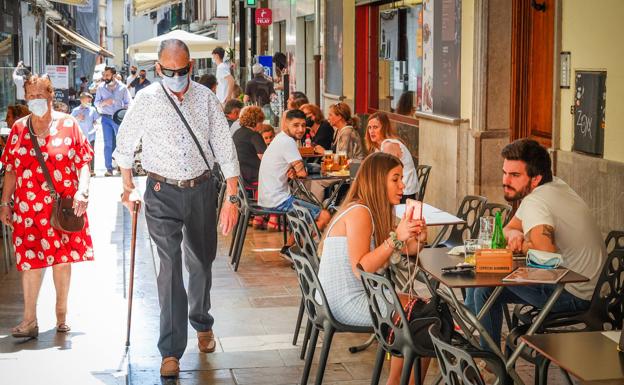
(62, 328)
(26, 330)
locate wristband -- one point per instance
(396, 243)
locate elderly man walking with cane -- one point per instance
(184, 133)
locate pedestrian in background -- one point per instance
(139, 82)
(20, 75)
(133, 76)
(210, 81)
(259, 89)
(37, 244)
(87, 116)
(111, 96)
(225, 80)
(180, 196)
(232, 111)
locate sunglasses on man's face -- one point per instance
(171, 73)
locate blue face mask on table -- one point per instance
(175, 83)
(543, 259)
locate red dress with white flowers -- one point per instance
(66, 151)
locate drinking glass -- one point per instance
(486, 229)
(328, 159)
(342, 159)
(470, 248)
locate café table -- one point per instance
(433, 215)
(590, 356)
(432, 260)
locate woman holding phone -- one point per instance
(381, 136)
(363, 233)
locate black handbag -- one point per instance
(215, 171)
(62, 217)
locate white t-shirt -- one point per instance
(128, 81)
(577, 236)
(20, 94)
(272, 179)
(223, 70)
(410, 178)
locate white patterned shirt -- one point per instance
(168, 148)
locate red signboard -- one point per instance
(264, 17)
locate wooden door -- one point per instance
(532, 63)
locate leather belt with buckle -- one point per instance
(189, 183)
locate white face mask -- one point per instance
(38, 107)
(176, 83)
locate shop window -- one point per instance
(333, 47)
(417, 47)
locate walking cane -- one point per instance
(135, 214)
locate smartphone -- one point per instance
(417, 205)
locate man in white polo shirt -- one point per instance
(551, 217)
(280, 161)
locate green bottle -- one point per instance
(498, 237)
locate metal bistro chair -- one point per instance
(319, 314)
(384, 306)
(304, 214)
(490, 210)
(307, 246)
(246, 210)
(422, 172)
(606, 309)
(456, 366)
(469, 211)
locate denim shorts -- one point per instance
(287, 205)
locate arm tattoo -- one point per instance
(549, 232)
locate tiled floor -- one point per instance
(255, 311)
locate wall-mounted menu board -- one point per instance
(589, 111)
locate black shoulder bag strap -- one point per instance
(44, 168)
(188, 127)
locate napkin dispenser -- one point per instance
(494, 261)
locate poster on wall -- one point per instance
(441, 38)
(59, 76)
(589, 112)
(427, 62)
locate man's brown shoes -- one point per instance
(170, 367)
(206, 341)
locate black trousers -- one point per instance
(182, 219)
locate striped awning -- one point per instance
(75, 38)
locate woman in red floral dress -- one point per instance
(37, 245)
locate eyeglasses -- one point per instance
(171, 73)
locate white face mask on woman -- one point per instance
(38, 107)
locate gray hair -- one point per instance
(173, 43)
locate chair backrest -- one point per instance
(387, 315)
(490, 210)
(303, 239)
(456, 366)
(242, 194)
(304, 214)
(469, 211)
(314, 299)
(422, 172)
(606, 311)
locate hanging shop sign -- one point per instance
(264, 17)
